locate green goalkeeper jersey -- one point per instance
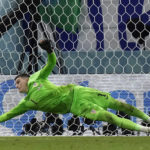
(43, 95)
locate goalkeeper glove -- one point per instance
(46, 45)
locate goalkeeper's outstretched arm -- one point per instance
(18, 110)
(47, 45)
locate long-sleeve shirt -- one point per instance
(43, 95)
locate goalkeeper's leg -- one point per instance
(128, 109)
(95, 112)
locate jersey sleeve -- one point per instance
(18, 110)
(44, 72)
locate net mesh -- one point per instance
(100, 44)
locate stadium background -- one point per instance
(95, 48)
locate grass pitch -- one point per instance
(75, 143)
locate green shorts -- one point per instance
(87, 99)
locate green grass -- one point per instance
(75, 143)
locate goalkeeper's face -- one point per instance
(22, 84)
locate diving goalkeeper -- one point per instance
(86, 102)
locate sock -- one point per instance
(144, 129)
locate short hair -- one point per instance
(24, 75)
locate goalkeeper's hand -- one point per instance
(46, 45)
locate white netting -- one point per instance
(90, 37)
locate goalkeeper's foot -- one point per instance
(46, 45)
(145, 129)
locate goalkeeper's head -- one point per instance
(22, 82)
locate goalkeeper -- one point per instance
(90, 103)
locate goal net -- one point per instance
(100, 44)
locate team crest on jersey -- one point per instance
(93, 111)
(38, 86)
(35, 84)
